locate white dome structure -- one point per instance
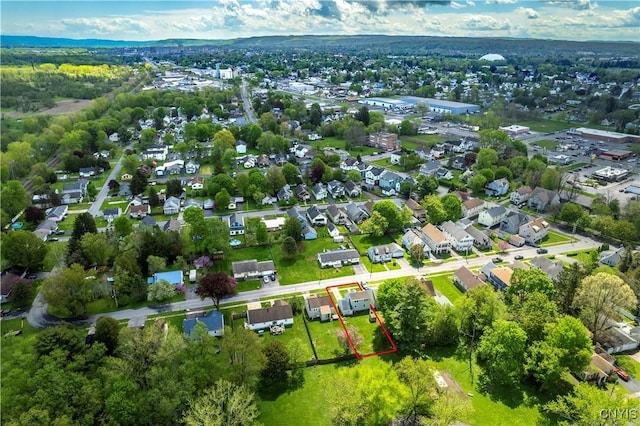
(491, 57)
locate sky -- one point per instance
(603, 20)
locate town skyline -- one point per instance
(583, 20)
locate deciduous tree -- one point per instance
(376, 225)
(224, 404)
(160, 291)
(23, 248)
(501, 353)
(69, 289)
(216, 286)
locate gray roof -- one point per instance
(252, 266)
(451, 228)
(476, 233)
(338, 255)
(279, 311)
(496, 211)
(313, 212)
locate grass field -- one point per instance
(547, 143)
(362, 242)
(444, 285)
(248, 285)
(325, 338)
(546, 126)
(372, 267)
(554, 238)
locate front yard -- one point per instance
(555, 238)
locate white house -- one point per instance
(520, 195)
(435, 239)
(279, 314)
(534, 231)
(492, 216)
(241, 147)
(356, 301)
(319, 307)
(319, 191)
(396, 156)
(384, 253)
(316, 217)
(472, 207)
(459, 239)
(338, 258)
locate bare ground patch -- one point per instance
(452, 383)
(66, 106)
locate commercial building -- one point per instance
(442, 106)
(611, 174)
(605, 136)
(515, 130)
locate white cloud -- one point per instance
(471, 3)
(106, 26)
(456, 5)
(501, 1)
(530, 13)
(485, 23)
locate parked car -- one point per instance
(266, 279)
(621, 373)
(53, 239)
(31, 276)
(542, 251)
(497, 259)
(518, 257)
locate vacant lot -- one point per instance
(66, 106)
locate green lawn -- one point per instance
(55, 253)
(81, 206)
(386, 163)
(629, 365)
(324, 337)
(444, 285)
(362, 242)
(393, 265)
(296, 331)
(372, 267)
(114, 202)
(554, 238)
(9, 325)
(546, 126)
(547, 143)
(249, 285)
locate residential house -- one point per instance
(338, 258)
(8, 280)
(46, 228)
(252, 269)
(268, 199)
(599, 371)
(208, 204)
(356, 213)
(316, 217)
(241, 146)
(78, 186)
(294, 213)
(424, 153)
(171, 206)
(390, 183)
(458, 163)
(349, 163)
(368, 207)
(500, 278)
(71, 198)
(309, 233)
(236, 224)
(319, 307)
(459, 239)
(480, 238)
(357, 301)
(620, 336)
(336, 189)
(415, 237)
(285, 193)
(429, 168)
(172, 277)
(533, 232)
(263, 161)
(417, 210)
(443, 173)
(58, 213)
(124, 190)
(149, 221)
(396, 157)
(384, 253)
(492, 216)
(549, 267)
(300, 151)
(472, 207)
(541, 199)
(337, 215)
(520, 195)
(196, 183)
(139, 211)
(497, 188)
(384, 141)
(516, 240)
(158, 153)
(279, 314)
(302, 193)
(435, 239)
(192, 202)
(352, 189)
(111, 214)
(612, 257)
(319, 191)
(466, 280)
(87, 172)
(191, 167)
(333, 230)
(172, 225)
(213, 320)
(372, 176)
(513, 221)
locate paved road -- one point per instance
(94, 210)
(248, 108)
(195, 304)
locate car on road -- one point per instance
(31, 276)
(266, 279)
(621, 373)
(497, 259)
(542, 251)
(53, 239)
(518, 257)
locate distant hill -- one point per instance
(378, 43)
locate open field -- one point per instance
(66, 106)
(444, 285)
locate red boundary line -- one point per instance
(394, 348)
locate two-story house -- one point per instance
(396, 157)
(337, 215)
(520, 195)
(336, 189)
(285, 193)
(349, 163)
(480, 238)
(415, 237)
(384, 253)
(356, 213)
(512, 221)
(316, 217)
(435, 239)
(533, 232)
(459, 239)
(236, 224)
(294, 213)
(417, 210)
(390, 183)
(541, 199)
(472, 207)
(352, 189)
(492, 216)
(302, 193)
(319, 191)
(497, 188)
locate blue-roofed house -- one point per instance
(497, 188)
(213, 320)
(309, 233)
(173, 277)
(293, 212)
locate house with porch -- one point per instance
(139, 211)
(171, 206)
(357, 301)
(336, 189)
(349, 163)
(541, 199)
(338, 258)
(466, 280)
(480, 238)
(513, 221)
(384, 253)
(319, 191)
(279, 314)
(294, 213)
(316, 217)
(372, 176)
(417, 210)
(111, 214)
(548, 266)
(302, 193)
(500, 277)
(57, 213)
(285, 193)
(520, 195)
(389, 182)
(336, 214)
(459, 239)
(252, 269)
(352, 189)
(472, 207)
(415, 237)
(533, 232)
(356, 213)
(396, 157)
(435, 239)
